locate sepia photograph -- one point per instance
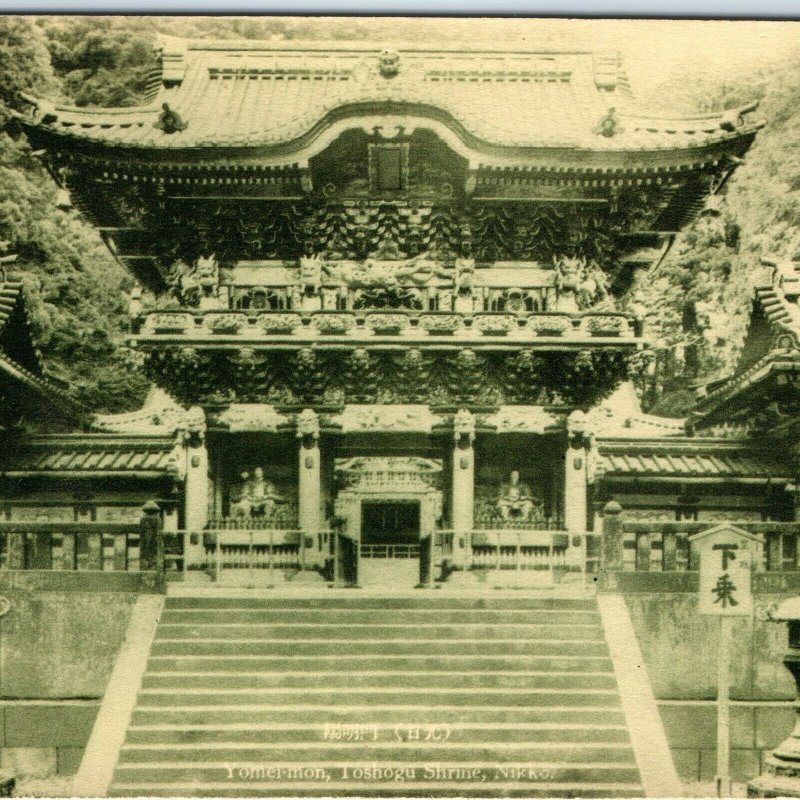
(399, 407)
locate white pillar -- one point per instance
(309, 500)
(463, 487)
(576, 485)
(196, 484)
(575, 475)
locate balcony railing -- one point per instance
(284, 517)
(383, 327)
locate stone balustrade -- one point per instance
(663, 546)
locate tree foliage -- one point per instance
(74, 288)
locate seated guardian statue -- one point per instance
(258, 496)
(516, 502)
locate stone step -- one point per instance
(523, 773)
(383, 696)
(411, 646)
(360, 631)
(499, 696)
(421, 616)
(390, 788)
(610, 714)
(563, 753)
(346, 663)
(457, 733)
(518, 603)
(375, 679)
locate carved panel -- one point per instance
(311, 377)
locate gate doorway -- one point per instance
(389, 507)
(390, 531)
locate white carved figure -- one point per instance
(464, 425)
(207, 272)
(310, 272)
(516, 501)
(259, 496)
(308, 423)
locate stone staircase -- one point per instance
(422, 696)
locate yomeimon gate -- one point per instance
(394, 282)
(384, 297)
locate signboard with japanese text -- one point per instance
(726, 555)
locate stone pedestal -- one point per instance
(463, 489)
(781, 775)
(611, 553)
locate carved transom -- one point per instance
(389, 475)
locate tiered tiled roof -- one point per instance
(10, 296)
(79, 455)
(771, 346)
(688, 458)
(19, 359)
(633, 445)
(279, 98)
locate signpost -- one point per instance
(726, 555)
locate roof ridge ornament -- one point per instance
(389, 63)
(609, 124)
(170, 121)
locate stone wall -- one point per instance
(680, 651)
(756, 728)
(41, 738)
(58, 644)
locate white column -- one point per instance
(309, 500)
(196, 484)
(576, 486)
(575, 475)
(463, 487)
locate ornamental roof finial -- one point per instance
(170, 121)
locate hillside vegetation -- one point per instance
(695, 302)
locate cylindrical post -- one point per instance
(723, 708)
(462, 509)
(336, 557)
(271, 558)
(250, 556)
(309, 509)
(575, 474)
(612, 548)
(151, 543)
(425, 561)
(196, 485)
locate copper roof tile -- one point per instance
(688, 461)
(91, 453)
(510, 99)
